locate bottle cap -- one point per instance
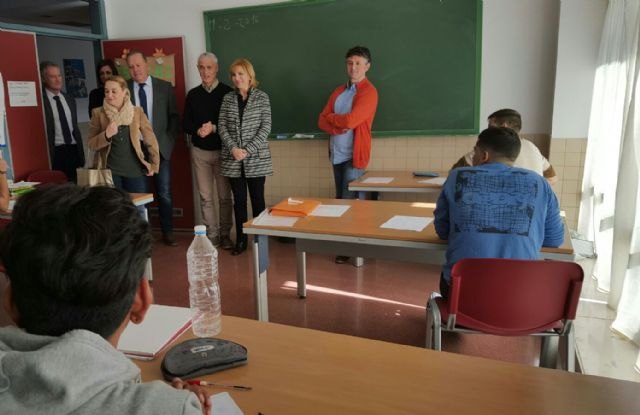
(200, 230)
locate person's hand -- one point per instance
(3, 166)
(149, 171)
(200, 392)
(239, 154)
(205, 129)
(112, 129)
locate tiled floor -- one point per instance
(382, 300)
(600, 351)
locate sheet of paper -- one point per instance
(223, 404)
(265, 219)
(330, 211)
(22, 185)
(435, 180)
(22, 93)
(407, 223)
(378, 180)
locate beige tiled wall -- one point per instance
(302, 167)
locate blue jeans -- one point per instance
(343, 174)
(162, 182)
(132, 185)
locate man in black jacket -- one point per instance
(63, 135)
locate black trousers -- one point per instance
(239, 187)
(66, 158)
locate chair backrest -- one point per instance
(47, 176)
(514, 297)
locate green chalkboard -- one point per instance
(425, 59)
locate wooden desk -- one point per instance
(357, 233)
(301, 371)
(403, 181)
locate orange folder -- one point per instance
(294, 207)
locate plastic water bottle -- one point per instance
(204, 291)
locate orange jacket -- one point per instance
(359, 119)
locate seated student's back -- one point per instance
(495, 210)
(75, 259)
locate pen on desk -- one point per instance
(199, 382)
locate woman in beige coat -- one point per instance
(117, 132)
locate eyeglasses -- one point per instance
(106, 73)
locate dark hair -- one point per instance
(507, 118)
(502, 142)
(44, 65)
(75, 257)
(135, 52)
(106, 62)
(359, 51)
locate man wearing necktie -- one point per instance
(65, 142)
(158, 100)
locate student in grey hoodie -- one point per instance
(75, 259)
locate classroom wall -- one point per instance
(520, 53)
(56, 49)
(580, 29)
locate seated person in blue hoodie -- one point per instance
(75, 259)
(494, 210)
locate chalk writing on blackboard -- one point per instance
(241, 22)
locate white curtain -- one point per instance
(610, 188)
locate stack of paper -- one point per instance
(161, 326)
(19, 188)
(295, 207)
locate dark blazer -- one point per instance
(165, 114)
(51, 129)
(96, 99)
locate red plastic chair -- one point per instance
(508, 297)
(47, 176)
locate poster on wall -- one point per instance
(22, 93)
(3, 115)
(75, 78)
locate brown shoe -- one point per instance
(168, 240)
(226, 243)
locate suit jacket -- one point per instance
(140, 125)
(165, 114)
(51, 129)
(250, 134)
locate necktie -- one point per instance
(66, 132)
(142, 96)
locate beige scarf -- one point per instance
(124, 116)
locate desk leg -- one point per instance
(549, 351)
(260, 284)
(148, 270)
(301, 273)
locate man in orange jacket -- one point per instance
(347, 118)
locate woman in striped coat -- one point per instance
(244, 125)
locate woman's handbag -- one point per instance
(97, 176)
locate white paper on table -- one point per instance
(435, 180)
(266, 219)
(223, 404)
(380, 180)
(407, 223)
(330, 211)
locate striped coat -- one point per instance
(250, 135)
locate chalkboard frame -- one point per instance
(210, 15)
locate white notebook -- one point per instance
(161, 326)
